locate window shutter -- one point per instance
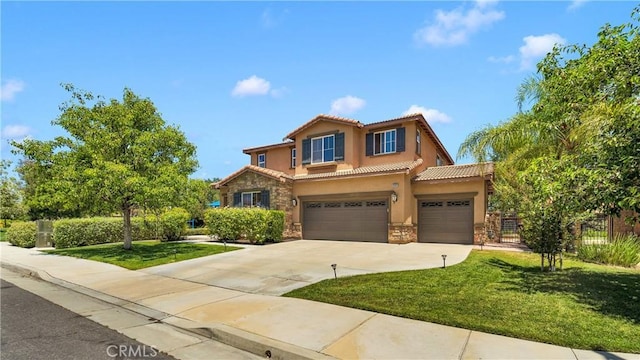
(369, 145)
(237, 199)
(400, 139)
(265, 199)
(339, 138)
(306, 151)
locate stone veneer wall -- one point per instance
(402, 234)
(280, 194)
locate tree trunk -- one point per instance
(126, 212)
(541, 261)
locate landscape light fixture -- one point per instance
(225, 244)
(444, 261)
(334, 266)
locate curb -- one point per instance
(239, 339)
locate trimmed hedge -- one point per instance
(197, 231)
(69, 233)
(22, 234)
(254, 225)
(173, 223)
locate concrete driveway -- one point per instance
(279, 268)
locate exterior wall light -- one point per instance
(294, 202)
(394, 197)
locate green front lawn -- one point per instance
(584, 306)
(143, 253)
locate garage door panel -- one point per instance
(447, 221)
(355, 220)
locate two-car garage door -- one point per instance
(354, 220)
(446, 221)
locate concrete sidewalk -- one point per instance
(285, 328)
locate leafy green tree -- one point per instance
(196, 197)
(576, 148)
(11, 195)
(119, 156)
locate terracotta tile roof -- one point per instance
(321, 117)
(278, 175)
(404, 166)
(455, 172)
(266, 147)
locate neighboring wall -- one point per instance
(620, 226)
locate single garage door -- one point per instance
(446, 221)
(357, 220)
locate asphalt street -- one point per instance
(34, 328)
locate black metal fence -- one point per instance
(510, 229)
(596, 230)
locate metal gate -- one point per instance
(510, 229)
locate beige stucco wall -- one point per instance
(408, 155)
(325, 128)
(339, 188)
(472, 186)
(278, 158)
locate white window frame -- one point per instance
(293, 158)
(439, 160)
(262, 163)
(384, 139)
(323, 149)
(253, 199)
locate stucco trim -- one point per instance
(446, 196)
(371, 195)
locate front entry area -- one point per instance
(445, 221)
(352, 220)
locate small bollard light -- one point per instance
(175, 254)
(334, 266)
(444, 261)
(225, 244)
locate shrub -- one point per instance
(275, 225)
(624, 250)
(22, 234)
(197, 231)
(174, 223)
(254, 225)
(69, 233)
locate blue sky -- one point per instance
(234, 75)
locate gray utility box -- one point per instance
(45, 233)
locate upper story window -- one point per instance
(439, 160)
(418, 146)
(384, 142)
(322, 149)
(293, 158)
(262, 160)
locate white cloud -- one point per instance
(347, 105)
(431, 115)
(535, 47)
(251, 86)
(501, 59)
(10, 88)
(15, 132)
(575, 4)
(270, 20)
(454, 27)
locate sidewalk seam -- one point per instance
(464, 348)
(350, 331)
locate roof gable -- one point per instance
(323, 117)
(274, 174)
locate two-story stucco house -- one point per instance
(390, 181)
